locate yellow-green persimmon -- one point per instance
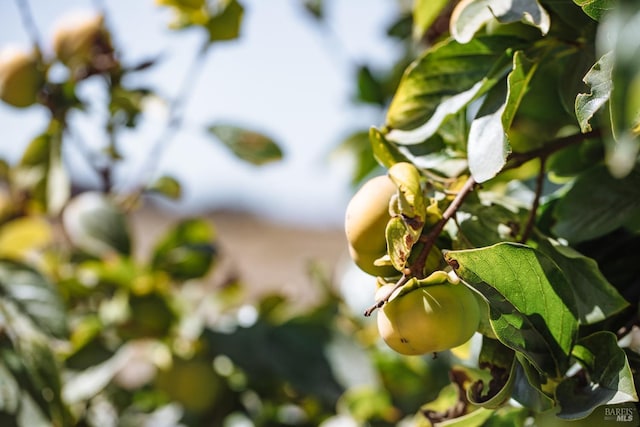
(428, 316)
(20, 77)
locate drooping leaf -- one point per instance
(425, 12)
(501, 363)
(250, 146)
(488, 148)
(187, 251)
(34, 296)
(471, 15)
(543, 329)
(96, 225)
(596, 298)
(596, 8)
(167, 186)
(597, 204)
(611, 378)
(443, 81)
(599, 80)
(527, 387)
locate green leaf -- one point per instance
(167, 186)
(315, 8)
(9, 391)
(471, 15)
(508, 416)
(96, 225)
(42, 173)
(544, 328)
(611, 378)
(599, 80)
(370, 89)
(386, 153)
(596, 8)
(425, 12)
(225, 24)
(34, 296)
(488, 148)
(444, 80)
(597, 204)
(476, 418)
(399, 242)
(250, 146)
(501, 363)
(358, 145)
(485, 225)
(527, 388)
(524, 69)
(596, 298)
(187, 251)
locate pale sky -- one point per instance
(283, 77)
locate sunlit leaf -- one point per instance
(384, 152)
(425, 12)
(471, 15)
(596, 298)
(597, 204)
(24, 235)
(96, 225)
(187, 250)
(609, 373)
(445, 79)
(596, 8)
(34, 296)
(599, 80)
(250, 146)
(543, 329)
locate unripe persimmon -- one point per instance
(429, 319)
(20, 77)
(366, 220)
(79, 38)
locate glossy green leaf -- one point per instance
(611, 378)
(34, 296)
(599, 80)
(596, 8)
(597, 204)
(544, 328)
(250, 146)
(187, 251)
(469, 16)
(596, 298)
(425, 12)
(444, 80)
(96, 225)
(225, 23)
(167, 186)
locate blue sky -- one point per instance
(283, 77)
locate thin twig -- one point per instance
(29, 23)
(417, 268)
(536, 202)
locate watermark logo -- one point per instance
(620, 414)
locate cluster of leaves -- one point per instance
(537, 101)
(93, 332)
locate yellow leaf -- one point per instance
(23, 235)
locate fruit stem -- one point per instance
(383, 299)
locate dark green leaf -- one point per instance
(248, 145)
(596, 8)
(96, 225)
(187, 251)
(611, 379)
(315, 8)
(597, 204)
(225, 24)
(443, 81)
(527, 389)
(34, 296)
(486, 225)
(544, 328)
(596, 298)
(500, 362)
(370, 89)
